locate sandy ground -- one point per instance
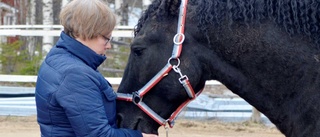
(11, 126)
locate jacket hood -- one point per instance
(81, 51)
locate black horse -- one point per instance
(265, 51)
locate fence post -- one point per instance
(256, 116)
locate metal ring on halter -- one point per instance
(178, 64)
(136, 99)
(178, 35)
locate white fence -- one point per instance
(226, 109)
(55, 30)
(33, 79)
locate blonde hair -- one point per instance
(87, 19)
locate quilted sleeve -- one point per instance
(82, 101)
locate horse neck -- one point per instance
(269, 68)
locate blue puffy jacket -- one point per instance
(72, 97)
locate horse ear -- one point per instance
(171, 6)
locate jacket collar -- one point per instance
(81, 51)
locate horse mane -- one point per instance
(294, 16)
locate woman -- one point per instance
(72, 97)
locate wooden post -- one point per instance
(256, 116)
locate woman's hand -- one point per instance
(149, 135)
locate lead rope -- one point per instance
(167, 130)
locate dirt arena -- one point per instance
(11, 126)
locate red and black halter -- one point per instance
(136, 97)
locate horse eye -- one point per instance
(138, 51)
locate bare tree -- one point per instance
(47, 20)
(31, 20)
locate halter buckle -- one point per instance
(183, 78)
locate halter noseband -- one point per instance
(136, 97)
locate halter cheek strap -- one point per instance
(136, 97)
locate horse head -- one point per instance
(151, 51)
(260, 50)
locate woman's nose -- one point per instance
(108, 45)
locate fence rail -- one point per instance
(20, 101)
(33, 79)
(54, 30)
(51, 27)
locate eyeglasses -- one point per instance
(107, 39)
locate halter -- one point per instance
(136, 97)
